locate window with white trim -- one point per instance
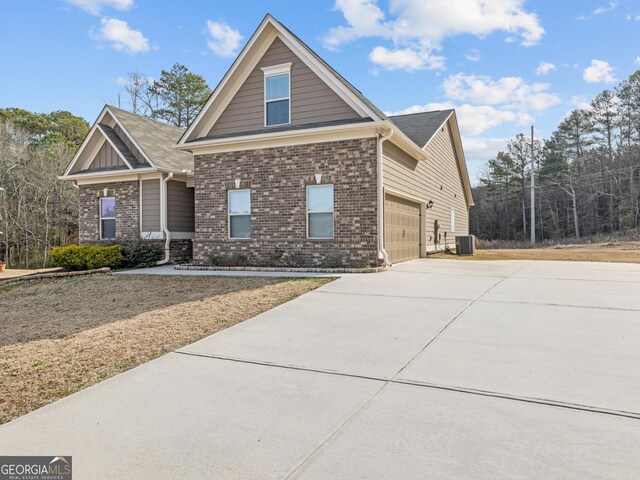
(107, 218)
(277, 95)
(239, 213)
(453, 220)
(320, 211)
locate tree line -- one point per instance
(587, 175)
(37, 210)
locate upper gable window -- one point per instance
(277, 95)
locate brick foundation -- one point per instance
(277, 178)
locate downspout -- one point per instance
(382, 253)
(164, 221)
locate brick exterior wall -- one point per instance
(127, 196)
(277, 178)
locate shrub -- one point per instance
(87, 257)
(214, 260)
(141, 254)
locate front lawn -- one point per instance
(59, 336)
(618, 252)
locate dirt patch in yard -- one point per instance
(60, 336)
(618, 252)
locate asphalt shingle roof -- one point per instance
(156, 140)
(420, 127)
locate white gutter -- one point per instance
(164, 221)
(382, 253)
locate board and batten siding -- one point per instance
(151, 205)
(180, 207)
(127, 141)
(437, 179)
(107, 157)
(312, 100)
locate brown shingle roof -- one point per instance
(155, 139)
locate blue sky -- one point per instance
(504, 65)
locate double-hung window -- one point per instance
(107, 218)
(277, 95)
(320, 211)
(239, 213)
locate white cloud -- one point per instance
(420, 27)
(224, 40)
(637, 62)
(95, 6)
(473, 55)
(581, 101)
(484, 147)
(405, 59)
(545, 67)
(511, 92)
(606, 8)
(122, 37)
(473, 119)
(598, 72)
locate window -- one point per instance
(107, 218)
(277, 95)
(453, 220)
(239, 214)
(320, 211)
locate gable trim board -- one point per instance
(113, 145)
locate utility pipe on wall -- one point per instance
(164, 220)
(382, 253)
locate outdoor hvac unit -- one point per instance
(466, 245)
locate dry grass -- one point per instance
(618, 252)
(59, 336)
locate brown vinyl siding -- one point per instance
(312, 100)
(437, 179)
(180, 207)
(107, 157)
(151, 205)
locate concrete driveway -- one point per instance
(433, 369)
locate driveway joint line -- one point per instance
(415, 383)
(517, 398)
(443, 329)
(281, 365)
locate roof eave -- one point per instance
(404, 142)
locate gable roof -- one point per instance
(152, 141)
(267, 31)
(420, 127)
(155, 139)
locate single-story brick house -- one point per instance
(287, 163)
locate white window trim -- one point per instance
(273, 71)
(229, 215)
(452, 220)
(332, 211)
(105, 218)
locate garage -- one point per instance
(402, 228)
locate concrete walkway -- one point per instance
(433, 369)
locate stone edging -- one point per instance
(41, 276)
(281, 269)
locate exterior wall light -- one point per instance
(430, 204)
